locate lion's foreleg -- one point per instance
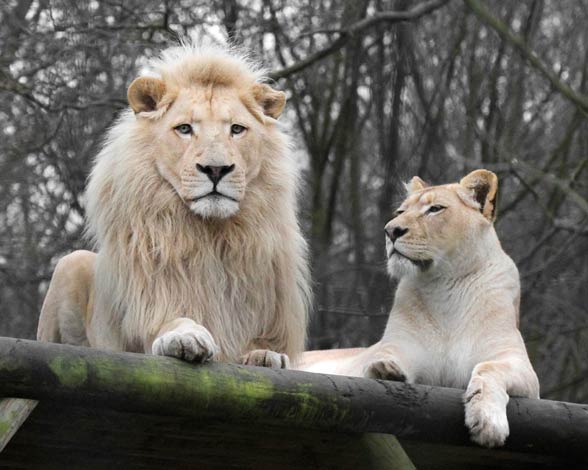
(260, 354)
(185, 339)
(69, 300)
(283, 339)
(488, 393)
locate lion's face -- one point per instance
(436, 225)
(207, 145)
(206, 140)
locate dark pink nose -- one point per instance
(394, 232)
(215, 173)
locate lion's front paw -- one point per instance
(386, 369)
(195, 345)
(485, 417)
(266, 358)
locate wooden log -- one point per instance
(13, 412)
(151, 384)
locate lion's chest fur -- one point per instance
(231, 293)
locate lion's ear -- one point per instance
(272, 101)
(145, 93)
(483, 186)
(415, 184)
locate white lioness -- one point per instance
(454, 322)
(192, 205)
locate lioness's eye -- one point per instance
(434, 209)
(237, 129)
(185, 129)
(398, 212)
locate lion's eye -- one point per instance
(398, 212)
(434, 209)
(184, 129)
(237, 129)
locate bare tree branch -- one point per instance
(562, 185)
(569, 226)
(519, 44)
(355, 29)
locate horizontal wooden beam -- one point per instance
(137, 382)
(93, 438)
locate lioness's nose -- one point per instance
(394, 232)
(215, 173)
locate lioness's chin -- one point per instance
(399, 267)
(215, 207)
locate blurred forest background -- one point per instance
(379, 91)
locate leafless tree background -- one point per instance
(379, 90)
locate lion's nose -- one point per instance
(215, 173)
(394, 232)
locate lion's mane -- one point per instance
(244, 278)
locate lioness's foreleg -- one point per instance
(185, 339)
(69, 301)
(385, 369)
(488, 393)
(386, 361)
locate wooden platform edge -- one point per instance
(13, 413)
(58, 436)
(139, 382)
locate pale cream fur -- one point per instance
(454, 322)
(222, 277)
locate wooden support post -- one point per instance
(13, 412)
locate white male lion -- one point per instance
(192, 205)
(454, 322)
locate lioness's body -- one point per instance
(454, 321)
(192, 205)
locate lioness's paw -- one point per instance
(196, 345)
(266, 358)
(385, 369)
(485, 418)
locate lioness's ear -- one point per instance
(415, 184)
(272, 101)
(483, 185)
(145, 93)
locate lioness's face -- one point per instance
(434, 225)
(208, 149)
